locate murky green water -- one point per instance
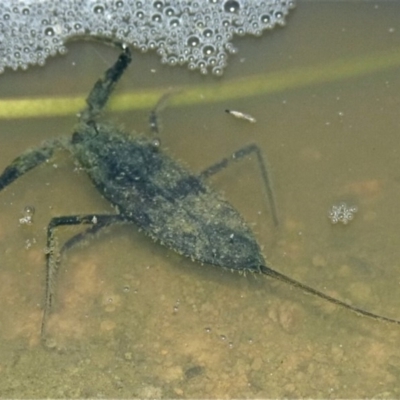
(133, 319)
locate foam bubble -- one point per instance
(196, 33)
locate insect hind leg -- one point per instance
(53, 255)
(80, 237)
(239, 155)
(102, 89)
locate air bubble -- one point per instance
(231, 48)
(172, 61)
(217, 71)
(193, 41)
(156, 143)
(208, 50)
(342, 213)
(156, 18)
(265, 19)
(158, 5)
(232, 6)
(49, 31)
(174, 23)
(169, 12)
(98, 9)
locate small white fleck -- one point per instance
(240, 115)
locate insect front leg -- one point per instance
(53, 254)
(239, 155)
(102, 89)
(26, 161)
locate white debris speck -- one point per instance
(240, 115)
(27, 218)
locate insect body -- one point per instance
(169, 203)
(150, 189)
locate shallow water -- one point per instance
(133, 319)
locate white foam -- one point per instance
(195, 33)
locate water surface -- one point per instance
(133, 319)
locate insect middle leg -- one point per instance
(97, 221)
(239, 155)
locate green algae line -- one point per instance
(273, 82)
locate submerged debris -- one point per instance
(342, 213)
(240, 115)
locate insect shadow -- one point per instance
(148, 188)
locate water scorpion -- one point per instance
(150, 189)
